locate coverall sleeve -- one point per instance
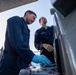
(37, 43)
(16, 40)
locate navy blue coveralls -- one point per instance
(17, 54)
(45, 36)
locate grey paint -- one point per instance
(67, 37)
(9, 4)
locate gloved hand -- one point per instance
(42, 59)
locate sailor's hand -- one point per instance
(42, 59)
(48, 47)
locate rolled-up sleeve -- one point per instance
(16, 40)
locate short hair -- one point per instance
(31, 12)
(41, 18)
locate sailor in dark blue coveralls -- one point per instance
(44, 39)
(17, 54)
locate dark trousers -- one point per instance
(49, 55)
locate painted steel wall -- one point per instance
(66, 34)
(9, 4)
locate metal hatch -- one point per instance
(8, 4)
